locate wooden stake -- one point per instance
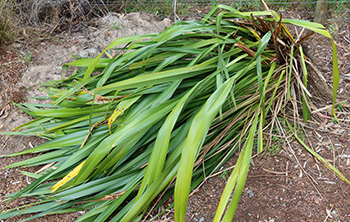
(321, 11)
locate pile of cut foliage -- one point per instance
(126, 132)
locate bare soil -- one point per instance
(286, 184)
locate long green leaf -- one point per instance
(198, 131)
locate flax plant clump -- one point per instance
(147, 122)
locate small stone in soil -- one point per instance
(251, 194)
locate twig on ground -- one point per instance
(287, 164)
(333, 150)
(274, 172)
(298, 162)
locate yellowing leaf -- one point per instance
(120, 109)
(113, 117)
(68, 177)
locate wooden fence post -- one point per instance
(321, 11)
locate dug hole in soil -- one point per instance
(279, 187)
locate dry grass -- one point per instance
(37, 12)
(7, 23)
(54, 15)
